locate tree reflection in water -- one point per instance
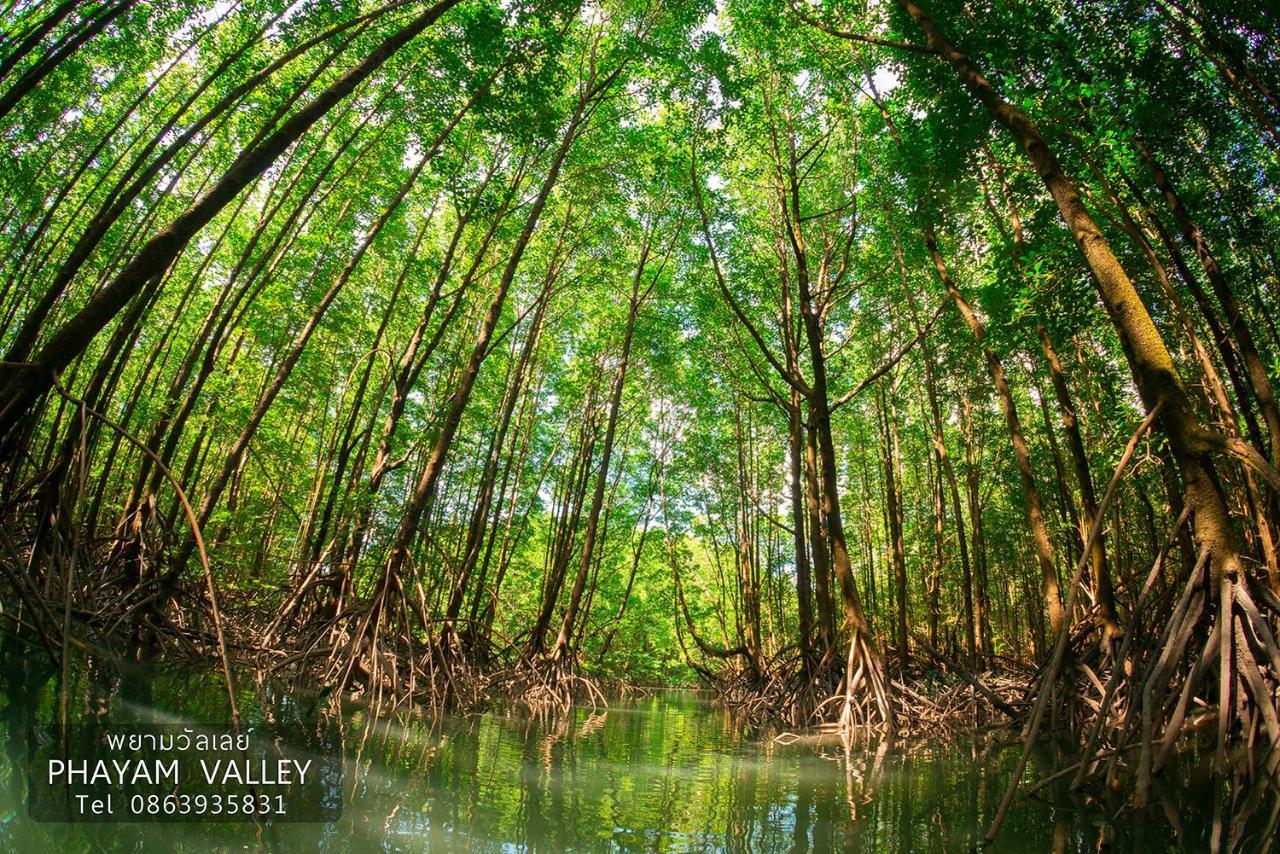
(664, 772)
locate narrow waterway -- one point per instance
(668, 771)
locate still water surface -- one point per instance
(664, 772)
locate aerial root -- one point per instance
(1212, 677)
(1204, 670)
(550, 685)
(856, 695)
(376, 652)
(868, 702)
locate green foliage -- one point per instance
(722, 95)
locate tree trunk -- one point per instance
(1032, 504)
(1157, 378)
(563, 648)
(1108, 621)
(1254, 366)
(27, 386)
(424, 490)
(893, 514)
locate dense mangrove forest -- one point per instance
(881, 371)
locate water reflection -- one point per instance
(667, 772)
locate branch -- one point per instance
(1250, 456)
(856, 37)
(888, 364)
(794, 382)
